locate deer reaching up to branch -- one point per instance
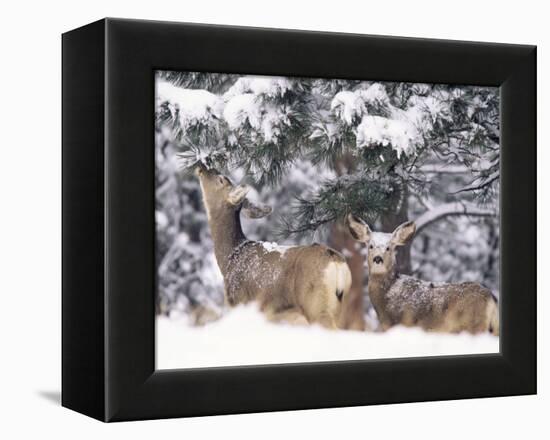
(298, 284)
(409, 301)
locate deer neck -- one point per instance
(378, 288)
(227, 235)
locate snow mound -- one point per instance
(244, 337)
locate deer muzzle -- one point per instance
(199, 169)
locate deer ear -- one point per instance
(403, 233)
(237, 195)
(358, 229)
(251, 210)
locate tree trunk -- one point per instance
(396, 215)
(340, 239)
(352, 306)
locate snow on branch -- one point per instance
(263, 117)
(445, 169)
(377, 130)
(193, 156)
(348, 106)
(375, 121)
(451, 209)
(190, 106)
(477, 186)
(257, 85)
(351, 106)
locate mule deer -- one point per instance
(405, 300)
(296, 284)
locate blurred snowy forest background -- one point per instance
(315, 150)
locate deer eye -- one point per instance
(221, 180)
(388, 248)
(371, 246)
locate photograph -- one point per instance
(323, 219)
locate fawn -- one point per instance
(408, 301)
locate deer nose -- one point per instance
(378, 259)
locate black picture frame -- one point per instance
(109, 231)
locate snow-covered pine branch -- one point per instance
(376, 121)
(258, 122)
(373, 119)
(189, 106)
(401, 136)
(451, 209)
(362, 194)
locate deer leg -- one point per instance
(290, 316)
(328, 321)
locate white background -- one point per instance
(30, 220)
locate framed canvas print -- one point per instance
(260, 219)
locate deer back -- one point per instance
(438, 306)
(311, 278)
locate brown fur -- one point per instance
(409, 301)
(285, 284)
(299, 285)
(443, 307)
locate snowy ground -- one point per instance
(244, 337)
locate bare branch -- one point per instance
(444, 169)
(490, 179)
(451, 209)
